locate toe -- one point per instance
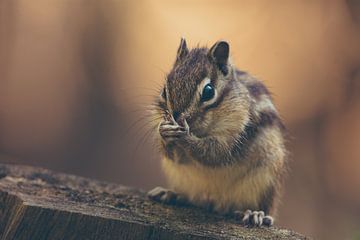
(164, 195)
(254, 218)
(156, 193)
(246, 218)
(268, 221)
(261, 216)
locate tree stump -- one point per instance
(40, 204)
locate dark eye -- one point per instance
(207, 93)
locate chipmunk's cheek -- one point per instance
(196, 128)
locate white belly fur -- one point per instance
(225, 187)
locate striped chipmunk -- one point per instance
(221, 138)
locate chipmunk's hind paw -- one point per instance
(166, 196)
(254, 218)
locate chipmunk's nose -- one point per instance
(176, 115)
(180, 118)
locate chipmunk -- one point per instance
(221, 137)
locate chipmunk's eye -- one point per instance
(207, 93)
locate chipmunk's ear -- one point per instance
(182, 50)
(219, 53)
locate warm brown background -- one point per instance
(75, 75)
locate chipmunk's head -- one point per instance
(202, 88)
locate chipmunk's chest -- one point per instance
(225, 188)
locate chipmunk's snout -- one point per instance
(180, 118)
(176, 115)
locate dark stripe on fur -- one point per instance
(240, 149)
(267, 118)
(256, 89)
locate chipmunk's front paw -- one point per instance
(166, 196)
(254, 218)
(171, 131)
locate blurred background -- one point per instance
(77, 78)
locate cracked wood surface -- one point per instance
(36, 203)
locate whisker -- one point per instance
(146, 124)
(138, 121)
(131, 89)
(148, 110)
(141, 142)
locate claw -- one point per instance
(254, 218)
(166, 196)
(170, 130)
(186, 125)
(168, 127)
(163, 195)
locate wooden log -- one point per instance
(39, 204)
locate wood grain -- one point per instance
(40, 204)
